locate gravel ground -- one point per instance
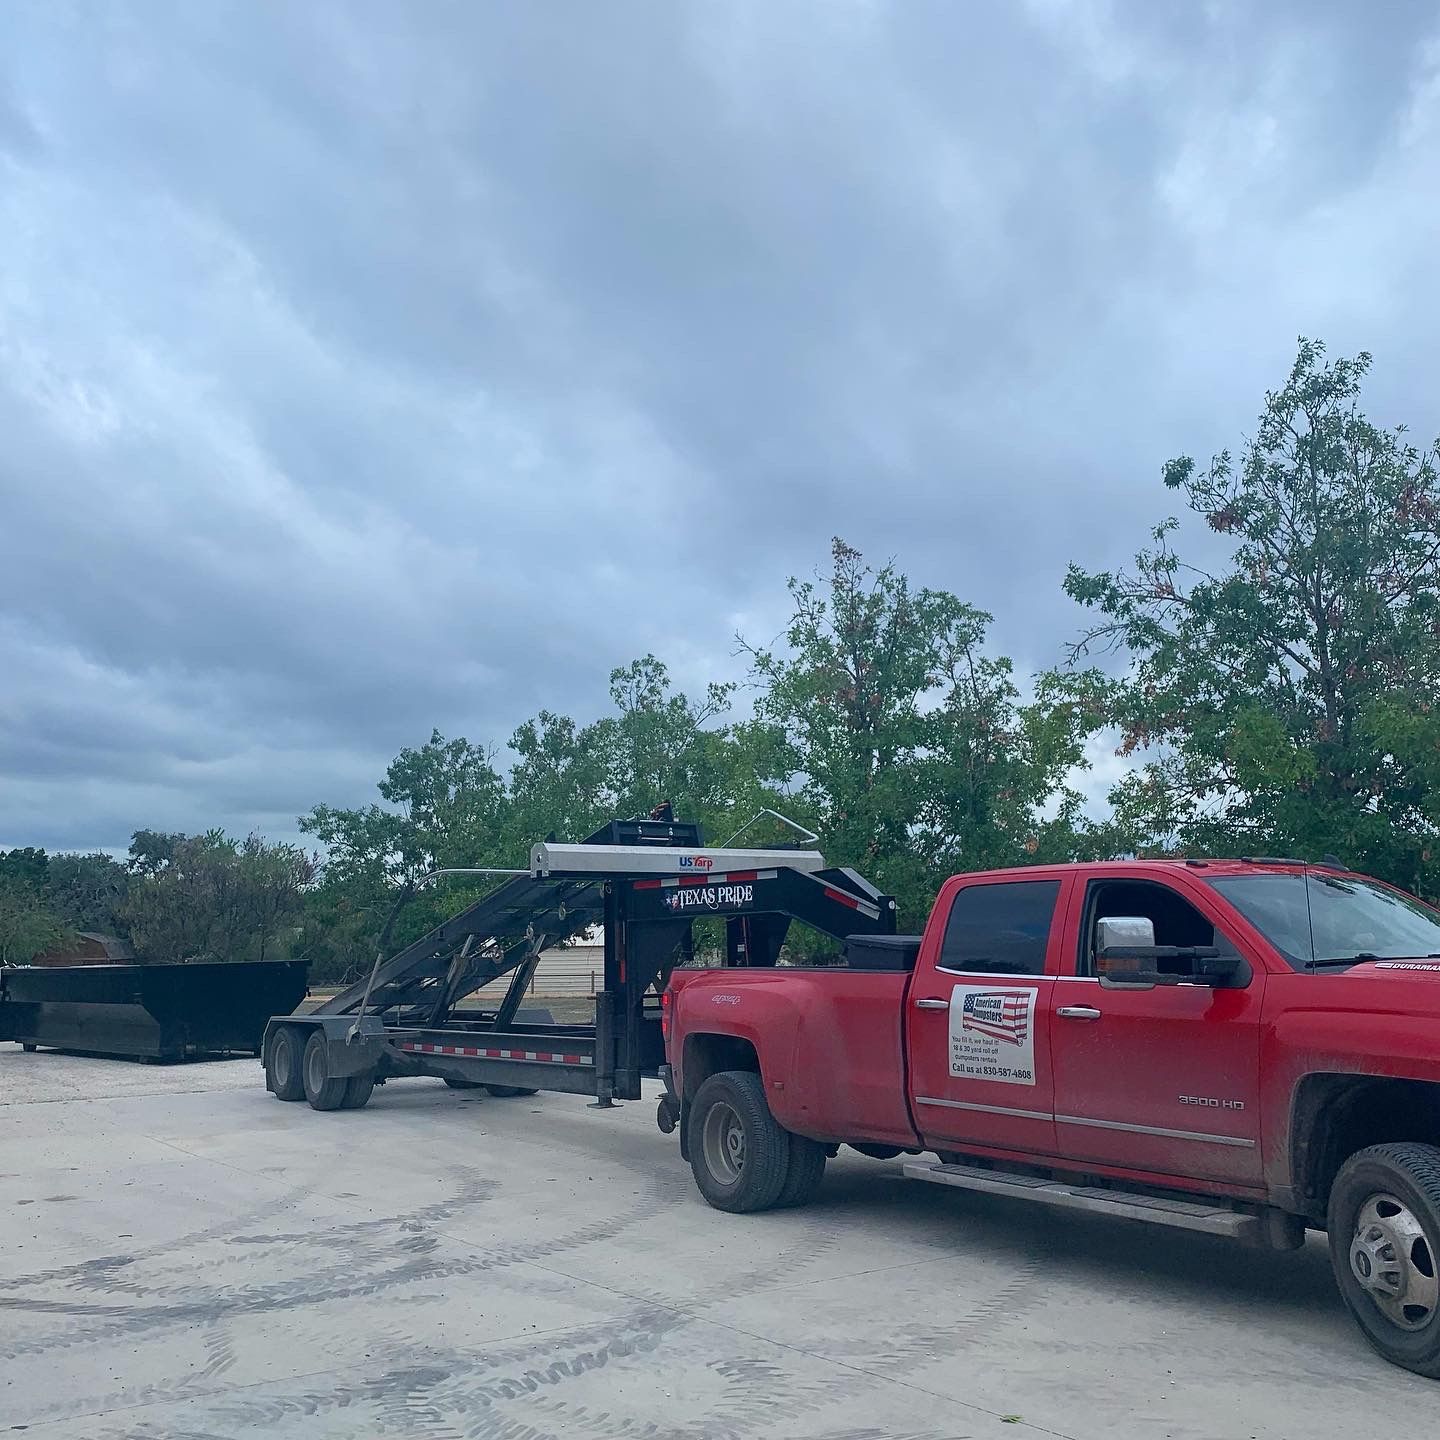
(184, 1258)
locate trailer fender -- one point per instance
(351, 1048)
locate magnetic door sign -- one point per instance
(992, 1035)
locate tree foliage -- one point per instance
(89, 892)
(447, 804)
(209, 897)
(27, 927)
(1286, 695)
(907, 744)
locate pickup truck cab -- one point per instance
(1247, 1048)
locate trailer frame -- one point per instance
(644, 882)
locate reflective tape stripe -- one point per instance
(543, 1057)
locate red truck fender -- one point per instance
(832, 1068)
(1340, 1071)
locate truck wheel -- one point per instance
(807, 1169)
(283, 1074)
(27, 1047)
(509, 1092)
(323, 1090)
(358, 1089)
(1384, 1225)
(740, 1156)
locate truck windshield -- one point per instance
(1317, 920)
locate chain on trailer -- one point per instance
(644, 882)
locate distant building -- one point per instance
(564, 971)
(89, 948)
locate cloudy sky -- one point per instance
(369, 367)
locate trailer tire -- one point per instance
(323, 1090)
(358, 1089)
(509, 1092)
(807, 1169)
(284, 1074)
(739, 1154)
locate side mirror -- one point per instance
(1126, 956)
(1128, 932)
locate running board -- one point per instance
(1124, 1204)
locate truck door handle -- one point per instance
(1077, 1012)
(932, 1004)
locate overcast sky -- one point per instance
(372, 367)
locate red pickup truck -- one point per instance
(1248, 1048)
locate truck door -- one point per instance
(1164, 1080)
(977, 1021)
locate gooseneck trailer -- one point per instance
(645, 882)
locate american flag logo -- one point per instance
(1000, 1014)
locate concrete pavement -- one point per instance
(183, 1257)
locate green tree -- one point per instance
(905, 744)
(27, 866)
(1285, 696)
(209, 897)
(89, 891)
(444, 806)
(662, 744)
(27, 927)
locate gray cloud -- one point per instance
(366, 369)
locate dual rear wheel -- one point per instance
(742, 1158)
(299, 1069)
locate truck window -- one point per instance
(1176, 920)
(1001, 928)
(1319, 919)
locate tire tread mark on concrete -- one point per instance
(82, 1272)
(306, 1289)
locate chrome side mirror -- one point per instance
(1129, 932)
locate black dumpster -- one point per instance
(163, 1012)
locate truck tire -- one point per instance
(358, 1089)
(27, 1047)
(739, 1155)
(323, 1090)
(807, 1169)
(283, 1073)
(1384, 1227)
(509, 1092)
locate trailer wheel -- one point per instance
(358, 1089)
(509, 1092)
(739, 1155)
(807, 1169)
(283, 1073)
(323, 1090)
(1384, 1228)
